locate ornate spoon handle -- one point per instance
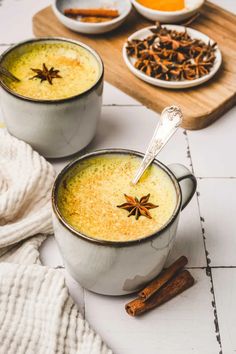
(170, 120)
(5, 72)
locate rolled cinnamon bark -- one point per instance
(174, 287)
(92, 12)
(163, 278)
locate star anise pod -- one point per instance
(169, 43)
(136, 47)
(138, 207)
(45, 74)
(201, 65)
(172, 55)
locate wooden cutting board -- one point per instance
(201, 105)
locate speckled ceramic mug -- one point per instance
(119, 268)
(55, 128)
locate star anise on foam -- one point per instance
(45, 74)
(138, 207)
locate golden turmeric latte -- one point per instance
(73, 70)
(89, 194)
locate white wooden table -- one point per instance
(203, 319)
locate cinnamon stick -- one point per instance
(174, 287)
(163, 278)
(92, 12)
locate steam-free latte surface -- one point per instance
(88, 197)
(78, 70)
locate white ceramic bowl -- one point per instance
(55, 128)
(123, 6)
(119, 268)
(191, 7)
(145, 32)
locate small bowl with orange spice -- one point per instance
(168, 11)
(93, 16)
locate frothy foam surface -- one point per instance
(78, 68)
(88, 198)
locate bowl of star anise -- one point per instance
(172, 56)
(53, 100)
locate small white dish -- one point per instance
(191, 7)
(123, 6)
(145, 32)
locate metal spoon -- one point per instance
(171, 118)
(6, 73)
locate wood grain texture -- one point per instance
(201, 105)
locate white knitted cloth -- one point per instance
(37, 314)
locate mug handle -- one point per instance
(187, 182)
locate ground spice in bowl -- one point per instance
(163, 5)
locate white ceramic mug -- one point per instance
(118, 268)
(55, 128)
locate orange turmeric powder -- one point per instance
(163, 5)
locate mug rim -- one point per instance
(109, 242)
(59, 39)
